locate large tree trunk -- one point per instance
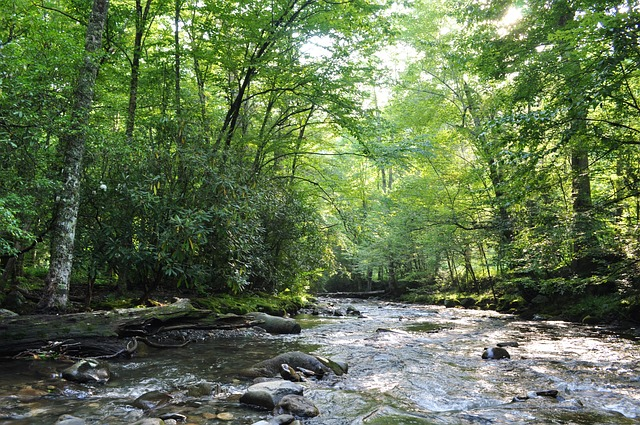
(33, 332)
(56, 292)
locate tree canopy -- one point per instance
(302, 145)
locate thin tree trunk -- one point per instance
(176, 36)
(141, 23)
(56, 293)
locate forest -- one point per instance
(453, 151)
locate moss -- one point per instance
(242, 304)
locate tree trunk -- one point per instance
(23, 333)
(141, 23)
(56, 292)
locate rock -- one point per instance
(495, 353)
(297, 406)
(87, 370)
(548, 393)
(173, 416)
(152, 400)
(508, 344)
(149, 421)
(268, 394)
(449, 303)
(275, 324)
(290, 374)
(282, 420)
(339, 368)
(295, 359)
(70, 420)
(352, 311)
(467, 302)
(200, 389)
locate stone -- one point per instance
(275, 324)
(508, 344)
(87, 371)
(70, 420)
(268, 394)
(297, 406)
(149, 421)
(295, 359)
(152, 400)
(495, 353)
(548, 393)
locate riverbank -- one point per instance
(558, 299)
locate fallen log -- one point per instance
(20, 334)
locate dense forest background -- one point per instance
(430, 148)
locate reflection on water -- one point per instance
(407, 365)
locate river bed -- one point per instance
(408, 364)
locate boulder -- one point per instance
(495, 353)
(152, 400)
(87, 371)
(297, 406)
(268, 394)
(275, 324)
(295, 359)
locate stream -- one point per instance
(408, 364)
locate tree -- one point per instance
(56, 292)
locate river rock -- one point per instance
(87, 371)
(290, 374)
(268, 394)
(508, 344)
(495, 353)
(149, 421)
(152, 400)
(297, 406)
(275, 324)
(295, 359)
(70, 420)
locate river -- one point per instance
(408, 364)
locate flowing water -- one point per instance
(407, 365)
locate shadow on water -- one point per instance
(407, 365)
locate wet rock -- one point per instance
(275, 324)
(520, 398)
(290, 374)
(173, 416)
(295, 359)
(508, 344)
(495, 353)
(352, 311)
(339, 368)
(149, 421)
(70, 420)
(279, 420)
(152, 400)
(87, 371)
(548, 393)
(268, 394)
(297, 406)
(201, 389)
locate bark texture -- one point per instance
(56, 294)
